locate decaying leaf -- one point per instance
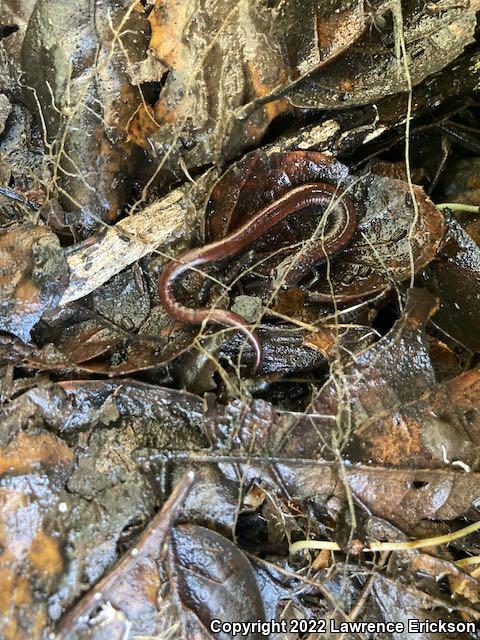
(34, 275)
(123, 606)
(53, 492)
(440, 428)
(393, 239)
(85, 99)
(212, 67)
(455, 278)
(429, 35)
(31, 464)
(150, 480)
(331, 56)
(212, 580)
(393, 235)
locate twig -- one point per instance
(302, 545)
(103, 255)
(458, 206)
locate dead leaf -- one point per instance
(34, 274)
(210, 579)
(390, 234)
(373, 69)
(439, 429)
(455, 278)
(214, 66)
(86, 99)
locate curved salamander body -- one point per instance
(340, 233)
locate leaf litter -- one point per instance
(152, 483)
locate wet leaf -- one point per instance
(391, 238)
(284, 351)
(446, 363)
(455, 278)
(391, 234)
(380, 379)
(440, 429)
(33, 277)
(330, 56)
(123, 300)
(214, 66)
(130, 594)
(21, 163)
(86, 99)
(32, 466)
(52, 494)
(373, 69)
(461, 182)
(409, 499)
(213, 580)
(97, 348)
(409, 603)
(73, 405)
(14, 16)
(316, 33)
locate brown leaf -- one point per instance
(215, 65)
(440, 428)
(34, 274)
(410, 498)
(86, 99)
(100, 349)
(381, 379)
(284, 351)
(373, 68)
(212, 580)
(404, 602)
(26, 451)
(390, 236)
(390, 233)
(55, 493)
(446, 362)
(316, 33)
(455, 278)
(131, 590)
(32, 467)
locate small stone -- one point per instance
(250, 307)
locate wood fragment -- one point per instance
(103, 255)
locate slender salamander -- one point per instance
(337, 237)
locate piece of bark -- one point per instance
(168, 224)
(105, 254)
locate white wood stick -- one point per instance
(103, 255)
